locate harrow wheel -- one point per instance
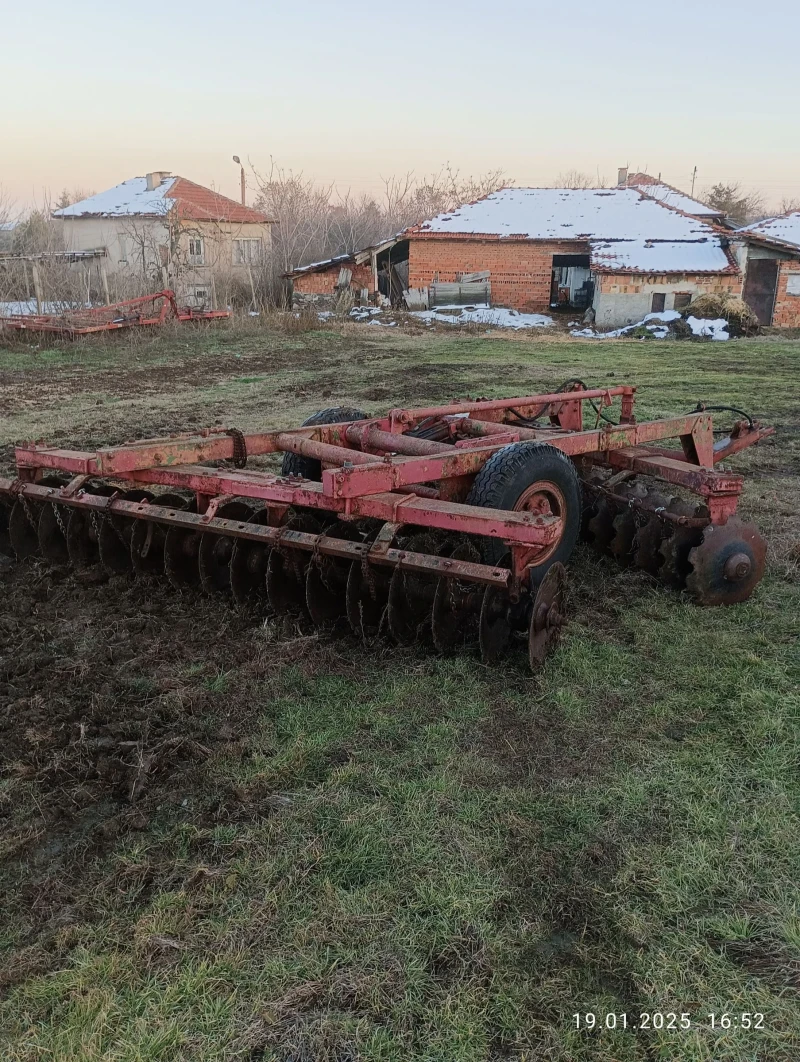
(215, 551)
(114, 541)
(727, 564)
(456, 604)
(547, 615)
(531, 477)
(248, 566)
(309, 467)
(286, 569)
(494, 626)
(411, 595)
(147, 538)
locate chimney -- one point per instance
(622, 176)
(155, 178)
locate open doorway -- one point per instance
(571, 286)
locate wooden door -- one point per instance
(760, 285)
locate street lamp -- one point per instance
(238, 161)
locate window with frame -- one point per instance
(246, 252)
(197, 254)
(682, 299)
(658, 302)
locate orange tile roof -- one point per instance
(197, 203)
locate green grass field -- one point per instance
(223, 839)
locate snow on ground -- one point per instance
(657, 324)
(492, 317)
(717, 329)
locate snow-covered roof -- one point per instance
(133, 198)
(314, 267)
(674, 197)
(785, 228)
(646, 256)
(123, 200)
(566, 214)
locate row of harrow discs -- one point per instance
(451, 523)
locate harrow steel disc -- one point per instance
(114, 542)
(248, 567)
(215, 551)
(456, 604)
(494, 624)
(411, 595)
(625, 523)
(547, 615)
(23, 521)
(52, 532)
(327, 577)
(367, 597)
(181, 548)
(5, 540)
(727, 564)
(147, 538)
(649, 534)
(675, 547)
(286, 569)
(601, 525)
(83, 531)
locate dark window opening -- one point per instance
(659, 302)
(682, 299)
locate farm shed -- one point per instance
(358, 277)
(769, 256)
(617, 250)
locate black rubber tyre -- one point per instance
(308, 467)
(509, 473)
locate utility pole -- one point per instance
(694, 175)
(237, 160)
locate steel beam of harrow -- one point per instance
(529, 529)
(275, 536)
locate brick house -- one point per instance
(617, 250)
(768, 253)
(166, 231)
(381, 268)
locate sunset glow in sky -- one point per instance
(351, 92)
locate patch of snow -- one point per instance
(698, 255)
(662, 315)
(324, 262)
(124, 200)
(324, 314)
(717, 329)
(674, 198)
(785, 228)
(384, 324)
(492, 318)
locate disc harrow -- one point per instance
(450, 525)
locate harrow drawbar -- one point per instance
(450, 524)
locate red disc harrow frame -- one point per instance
(384, 516)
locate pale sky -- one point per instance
(96, 92)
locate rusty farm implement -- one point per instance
(145, 311)
(451, 523)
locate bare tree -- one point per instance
(739, 206)
(789, 205)
(578, 179)
(72, 195)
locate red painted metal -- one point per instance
(379, 468)
(147, 310)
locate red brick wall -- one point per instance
(323, 282)
(787, 307)
(521, 270)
